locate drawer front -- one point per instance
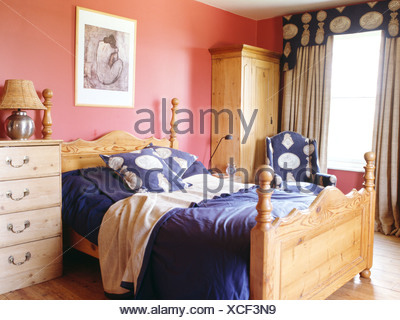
(25, 162)
(34, 260)
(29, 194)
(29, 278)
(20, 227)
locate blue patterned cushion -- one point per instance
(144, 171)
(108, 182)
(178, 161)
(196, 168)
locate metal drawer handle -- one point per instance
(27, 257)
(10, 195)
(10, 227)
(9, 162)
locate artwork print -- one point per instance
(105, 51)
(106, 59)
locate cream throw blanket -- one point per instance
(127, 226)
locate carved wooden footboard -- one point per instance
(313, 252)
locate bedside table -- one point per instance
(30, 213)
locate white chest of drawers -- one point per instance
(30, 213)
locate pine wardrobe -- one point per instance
(245, 97)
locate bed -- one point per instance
(308, 254)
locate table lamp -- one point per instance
(227, 137)
(17, 95)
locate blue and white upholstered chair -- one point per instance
(295, 159)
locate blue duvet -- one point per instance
(203, 252)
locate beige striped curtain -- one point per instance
(307, 95)
(386, 139)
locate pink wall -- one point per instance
(348, 180)
(172, 60)
(270, 34)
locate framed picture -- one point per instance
(105, 52)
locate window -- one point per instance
(355, 63)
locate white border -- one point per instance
(293, 309)
(95, 97)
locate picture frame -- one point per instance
(105, 52)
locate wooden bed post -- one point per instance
(261, 244)
(369, 185)
(47, 132)
(172, 139)
(369, 177)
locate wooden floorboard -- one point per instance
(82, 278)
(384, 283)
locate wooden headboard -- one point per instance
(81, 153)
